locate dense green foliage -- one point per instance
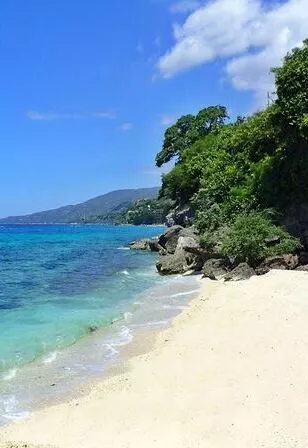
(146, 212)
(187, 130)
(230, 171)
(246, 239)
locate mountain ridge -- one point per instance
(109, 205)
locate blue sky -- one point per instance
(88, 86)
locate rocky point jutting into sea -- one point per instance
(181, 252)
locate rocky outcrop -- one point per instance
(215, 268)
(169, 240)
(172, 264)
(181, 251)
(302, 268)
(242, 272)
(140, 245)
(154, 245)
(182, 217)
(179, 263)
(146, 244)
(282, 262)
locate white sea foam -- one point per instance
(125, 272)
(51, 357)
(111, 350)
(124, 337)
(9, 408)
(152, 324)
(186, 293)
(123, 248)
(8, 376)
(127, 315)
(175, 307)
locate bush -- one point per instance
(246, 238)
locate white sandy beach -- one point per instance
(231, 372)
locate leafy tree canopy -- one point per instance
(187, 130)
(229, 170)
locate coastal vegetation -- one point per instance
(146, 211)
(245, 180)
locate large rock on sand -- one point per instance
(242, 272)
(302, 268)
(172, 264)
(181, 251)
(215, 269)
(281, 262)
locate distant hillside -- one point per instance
(107, 206)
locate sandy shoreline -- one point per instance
(232, 371)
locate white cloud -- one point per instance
(248, 34)
(184, 6)
(167, 120)
(51, 116)
(126, 127)
(54, 116)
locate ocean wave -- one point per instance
(127, 315)
(152, 324)
(123, 248)
(175, 307)
(9, 408)
(111, 350)
(123, 337)
(51, 357)
(186, 293)
(8, 376)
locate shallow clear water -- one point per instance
(61, 288)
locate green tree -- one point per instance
(292, 90)
(187, 130)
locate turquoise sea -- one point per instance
(70, 297)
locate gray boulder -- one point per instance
(172, 264)
(282, 262)
(181, 261)
(169, 240)
(140, 245)
(154, 245)
(215, 268)
(302, 268)
(180, 251)
(182, 217)
(146, 244)
(187, 242)
(242, 272)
